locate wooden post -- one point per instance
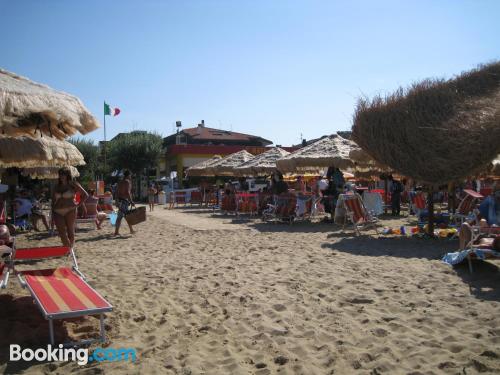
(430, 208)
(386, 187)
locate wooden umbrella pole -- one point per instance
(386, 187)
(430, 208)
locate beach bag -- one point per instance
(112, 218)
(136, 215)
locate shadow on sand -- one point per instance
(484, 281)
(401, 247)
(21, 323)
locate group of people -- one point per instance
(65, 207)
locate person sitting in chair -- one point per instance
(92, 211)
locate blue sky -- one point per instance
(277, 69)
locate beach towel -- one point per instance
(459, 256)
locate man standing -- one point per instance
(123, 201)
(396, 190)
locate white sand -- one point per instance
(194, 294)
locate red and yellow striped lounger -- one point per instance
(60, 292)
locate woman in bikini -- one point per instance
(64, 206)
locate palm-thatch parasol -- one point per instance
(437, 131)
(27, 106)
(326, 152)
(262, 164)
(202, 168)
(49, 173)
(34, 152)
(226, 166)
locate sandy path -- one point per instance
(263, 299)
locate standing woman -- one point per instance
(64, 206)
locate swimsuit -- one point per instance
(63, 211)
(123, 207)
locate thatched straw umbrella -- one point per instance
(226, 166)
(203, 168)
(326, 152)
(34, 152)
(262, 164)
(437, 131)
(27, 106)
(48, 173)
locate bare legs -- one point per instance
(66, 227)
(118, 224)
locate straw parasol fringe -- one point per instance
(33, 152)
(226, 166)
(202, 168)
(48, 173)
(262, 164)
(437, 131)
(326, 152)
(26, 106)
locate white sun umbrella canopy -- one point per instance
(329, 151)
(226, 166)
(262, 164)
(36, 152)
(203, 168)
(27, 107)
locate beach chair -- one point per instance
(228, 203)
(247, 203)
(466, 206)
(196, 198)
(357, 214)
(90, 217)
(60, 292)
(283, 208)
(475, 249)
(305, 206)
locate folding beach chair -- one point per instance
(357, 213)
(90, 218)
(466, 205)
(283, 208)
(305, 206)
(60, 292)
(247, 203)
(196, 198)
(228, 203)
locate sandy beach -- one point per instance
(197, 294)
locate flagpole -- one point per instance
(105, 146)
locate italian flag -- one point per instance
(110, 111)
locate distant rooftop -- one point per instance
(204, 135)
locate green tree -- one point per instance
(91, 154)
(135, 151)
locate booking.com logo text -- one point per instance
(81, 356)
